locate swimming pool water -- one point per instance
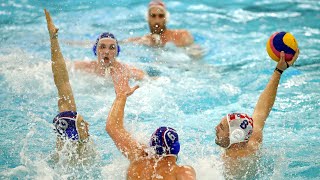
(190, 95)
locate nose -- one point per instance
(216, 128)
(106, 52)
(157, 20)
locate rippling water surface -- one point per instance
(190, 95)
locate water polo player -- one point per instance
(71, 129)
(241, 135)
(106, 48)
(146, 162)
(157, 17)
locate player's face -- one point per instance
(157, 20)
(222, 133)
(107, 51)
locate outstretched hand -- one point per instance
(120, 76)
(53, 31)
(283, 65)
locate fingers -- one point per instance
(47, 16)
(135, 88)
(53, 31)
(132, 90)
(295, 57)
(282, 56)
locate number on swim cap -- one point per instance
(171, 136)
(244, 124)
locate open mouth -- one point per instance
(106, 60)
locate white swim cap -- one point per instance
(240, 127)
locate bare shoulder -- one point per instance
(84, 64)
(183, 37)
(186, 172)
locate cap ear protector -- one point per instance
(105, 35)
(118, 49)
(237, 135)
(175, 148)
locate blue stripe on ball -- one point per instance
(279, 44)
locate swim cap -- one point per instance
(165, 141)
(240, 127)
(105, 35)
(157, 3)
(65, 124)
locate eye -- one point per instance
(152, 15)
(112, 47)
(102, 46)
(221, 126)
(161, 15)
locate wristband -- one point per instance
(279, 70)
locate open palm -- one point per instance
(120, 76)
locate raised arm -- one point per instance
(115, 125)
(266, 100)
(66, 100)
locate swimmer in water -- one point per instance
(241, 135)
(159, 36)
(156, 161)
(71, 128)
(106, 48)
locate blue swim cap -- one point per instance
(165, 141)
(104, 35)
(65, 124)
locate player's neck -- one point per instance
(167, 160)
